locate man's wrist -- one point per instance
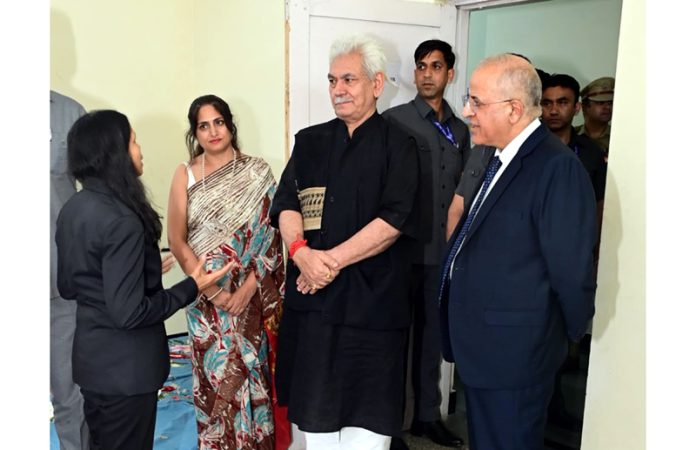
(299, 252)
(336, 257)
(295, 245)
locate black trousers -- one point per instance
(119, 422)
(427, 342)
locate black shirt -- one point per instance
(347, 182)
(472, 175)
(441, 163)
(592, 157)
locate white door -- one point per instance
(400, 25)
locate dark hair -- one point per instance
(98, 147)
(543, 75)
(564, 81)
(427, 47)
(221, 106)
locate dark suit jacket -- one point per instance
(105, 263)
(523, 282)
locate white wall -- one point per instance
(576, 37)
(615, 405)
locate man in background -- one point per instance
(560, 102)
(597, 108)
(67, 400)
(443, 147)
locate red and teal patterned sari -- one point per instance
(233, 356)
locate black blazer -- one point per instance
(106, 264)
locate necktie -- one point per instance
(493, 167)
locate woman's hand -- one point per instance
(220, 299)
(167, 262)
(236, 302)
(204, 280)
(240, 298)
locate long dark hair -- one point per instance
(221, 106)
(98, 147)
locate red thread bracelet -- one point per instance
(296, 245)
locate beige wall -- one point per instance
(242, 59)
(150, 59)
(615, 405)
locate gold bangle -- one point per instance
(215, 294)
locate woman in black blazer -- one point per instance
(109, 262)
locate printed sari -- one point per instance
(233, 356)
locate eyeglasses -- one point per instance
(474, 103)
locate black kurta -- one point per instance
(341, 350)
(372, 174)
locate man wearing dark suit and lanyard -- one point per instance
(443, 147)
(517, 278)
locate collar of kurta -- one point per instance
(363, 129)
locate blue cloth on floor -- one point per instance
(175, 428)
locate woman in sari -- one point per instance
(218, 208)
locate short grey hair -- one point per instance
(373, 59)
(518, 79)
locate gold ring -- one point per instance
(328, 275)
(314, 287)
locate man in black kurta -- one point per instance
(348, 190)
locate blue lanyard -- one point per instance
(446, 132)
